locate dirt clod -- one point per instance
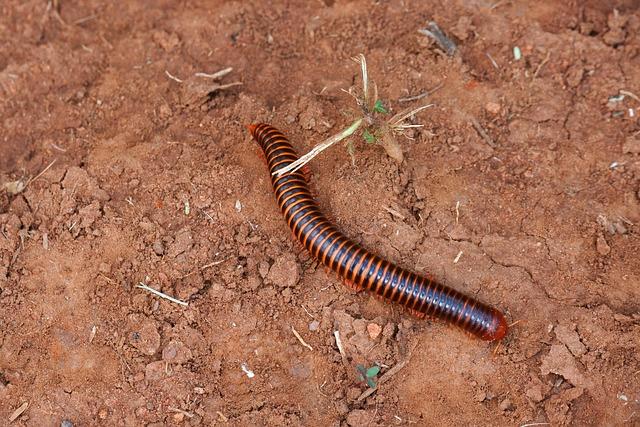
(359, 417)
(374, 330)
(155, 371)
(602, 246)
(561, 362)
(284, 272)
(567, 335)
(506, 405)
(146, 338)
(631, 145)
(176, 352)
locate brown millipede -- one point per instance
(360, 268)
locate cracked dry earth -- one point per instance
(538, 217)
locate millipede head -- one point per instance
(252, 129)
(498, 328)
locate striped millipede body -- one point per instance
(358, 267)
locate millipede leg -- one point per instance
(306, 172)
(351, 285)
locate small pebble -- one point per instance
(374, 330)
(176, 352)
(313, 326)
(158, 248)
(353, 393)
(506, 405)
(263, 269)
(480, 396)
(146, 338)
(155, 371)
(492, 108)
(104, 268)
(66, 423)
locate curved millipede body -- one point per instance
(360, 268)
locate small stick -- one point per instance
(14, 416)
(631, 94)
(386, 377)
(57, 147)
(535, 424)
(113, 282)
(216, 75)
(365, 78)
(302, 341)
(396, 121)
(438, 35)
(161, 295)
(457, 258)
(496, 4)
(293, 167)
(495, 350)
(394, 212)
(544, 61)
(493, 61)
(414, 97)
(422, 95)
(41, 173)
(307, 311)
(172, 77)
(181, 411)
(482, 133)
(222, 417)
(320, 389)
(339, 344)
(457, 211)
(85, 19)
(211, 264)
(228, 85)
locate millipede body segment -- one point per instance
(360, 268)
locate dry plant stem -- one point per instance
(299, 337)
(365, 78)
(216, 75)
(293, 167)
(476, 125)
(395, 124)
(41, 173)
(172, 77)
(161, 295)
(396, 121)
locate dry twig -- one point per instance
(161, 295)
(302, 341)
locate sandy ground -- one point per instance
(155, 179)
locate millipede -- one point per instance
(359, 268)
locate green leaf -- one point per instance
(373, 371)
(379, 108)
(368, 137)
